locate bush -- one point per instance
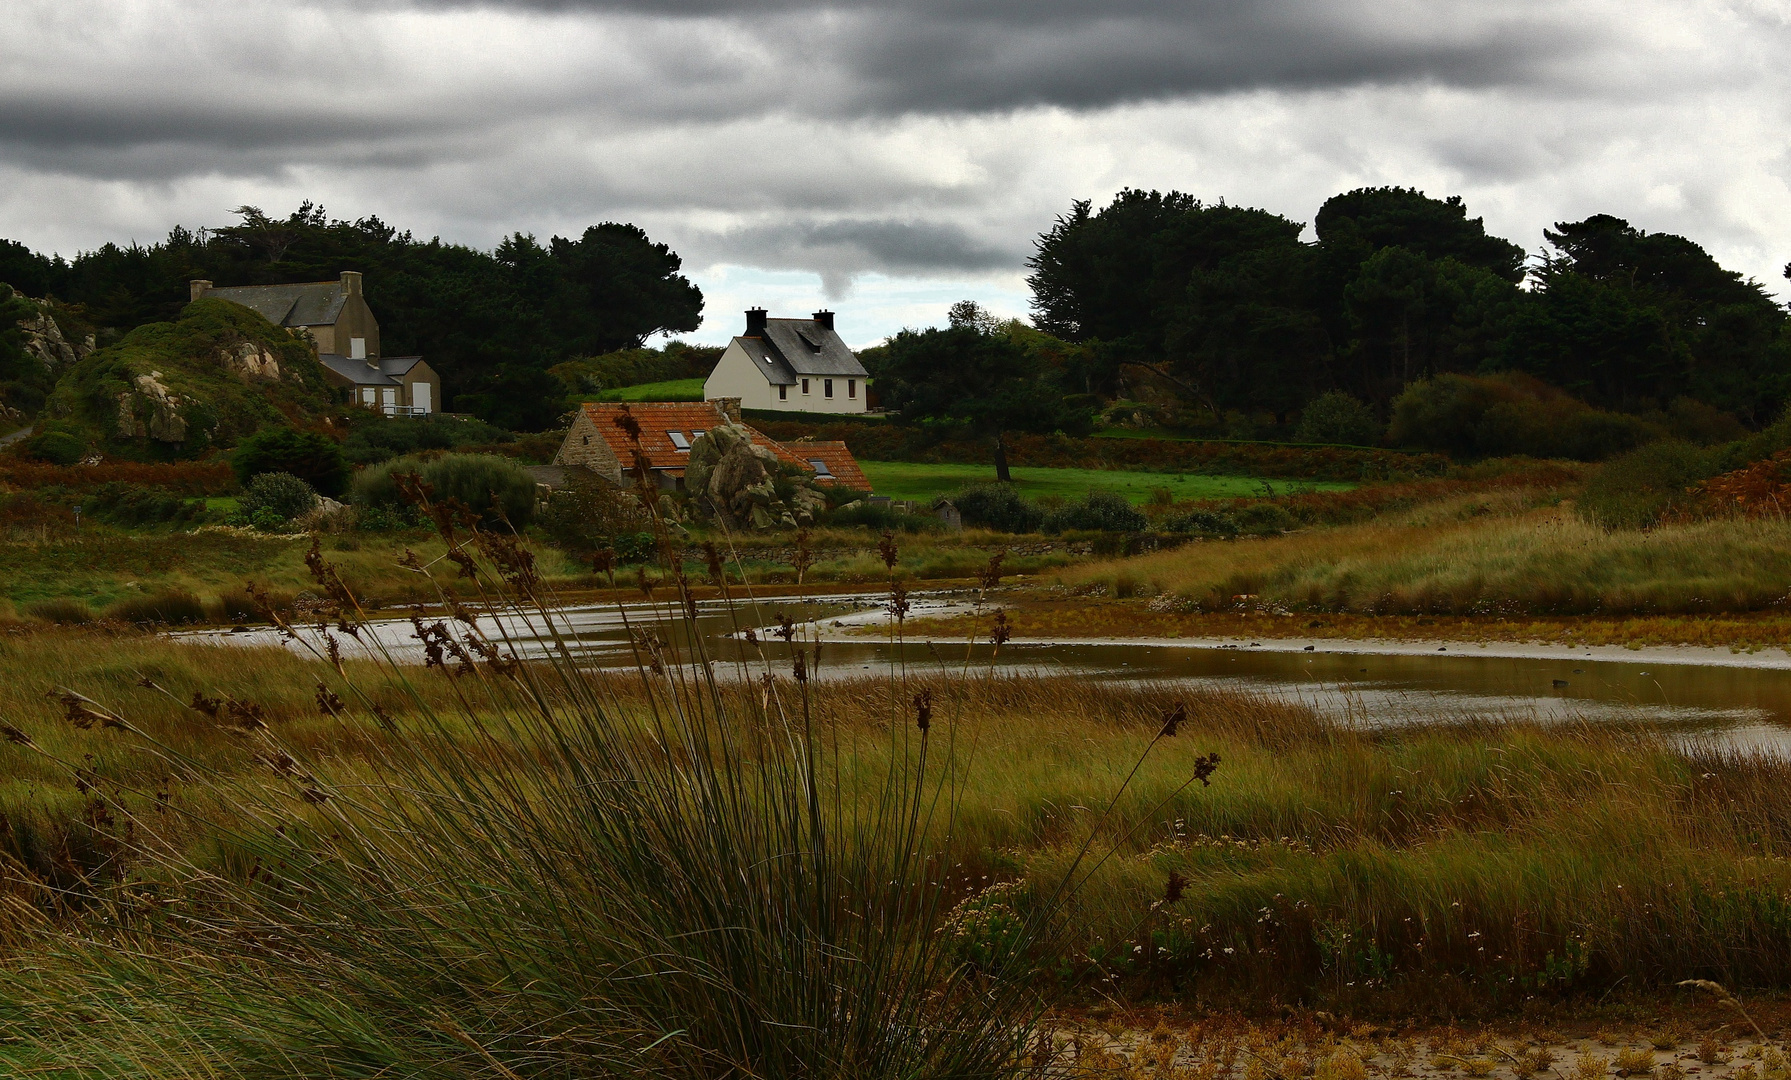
(1509, 415)
(1099, 511)
(1209, 522)
(378, 439)
(998, 506)
(273, 499)
(171, 608)
(1337, 417)
(128, 505)
(471, 478)
(57, 447)
(588, 513)
(1264, 519)
(315, 459)
(1638, 489)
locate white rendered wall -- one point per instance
(737, 375)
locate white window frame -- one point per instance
(357, 348)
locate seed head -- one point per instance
(1176, 889)
(1173, 719)
(923, 709)
(886, 547)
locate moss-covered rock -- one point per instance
(171, 390)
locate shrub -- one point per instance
(1098, 511)
(57, 447)
(588, 513)
(377, 439)
(63, 611)
(1264, 519)
(1210, 522)
(1636, 490)
(129, 505)
(1510, 414)
(1337, 417)
(172, 608)
(998, 506)
(315, 459)
(275, 498)
(474, 479)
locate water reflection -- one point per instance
(1742, 707)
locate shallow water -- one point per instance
(1710, 701)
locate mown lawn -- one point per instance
(670, 390)
(912, 480)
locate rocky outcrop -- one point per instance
(43, 339)
(250, 361)
(739, 481)
(151, 411)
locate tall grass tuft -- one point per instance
(542, 879)
(171, 608)
(63, 611)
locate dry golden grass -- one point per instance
(1463, 557)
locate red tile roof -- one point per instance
(837, 458)
(658, 420)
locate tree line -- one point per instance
(491, 322)
(1229, 306)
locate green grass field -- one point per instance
(671, 390)
(911, 480)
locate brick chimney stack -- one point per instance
(755, 322)
(825, 318)
(199, 287)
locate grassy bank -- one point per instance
(914, 480)
(1451, 870)
(669, 390)
(1476, 555)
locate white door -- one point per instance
(419, 397)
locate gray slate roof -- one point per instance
(800, 347)
(315, 303)
(389, 371)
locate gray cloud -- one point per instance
(841, 250)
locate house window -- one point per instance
(820, 467)
(369, 395)
(851, 388)
(357, 348)
(587, 440)
(826, 387)
(679, 442)
(783, 392)
(805, 386)
(695, 434)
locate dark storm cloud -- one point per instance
(840, 250)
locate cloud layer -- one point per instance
(918, 140)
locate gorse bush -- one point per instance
(376, 439)
(316, 459)
(280, 497)
(168, 608)
(1264, 519)
(1337, 417)
(1102, 511)
(57, 447)
(129, 505)
(491, 486)
(1209, 522)
(998, 506)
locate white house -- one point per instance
(796, 365)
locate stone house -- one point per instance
(599, 442)
(335, 316)
(793, 365)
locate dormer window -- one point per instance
(679, 441)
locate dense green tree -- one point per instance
(977, 376)
(1363, 221)
(1631, 320)
(316, 459)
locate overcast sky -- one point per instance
(887, 158)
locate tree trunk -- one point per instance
(1001, 473)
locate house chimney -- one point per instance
(351, 282)
(825, 318)
(755, 322)
(199, 287)
(728, 407)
